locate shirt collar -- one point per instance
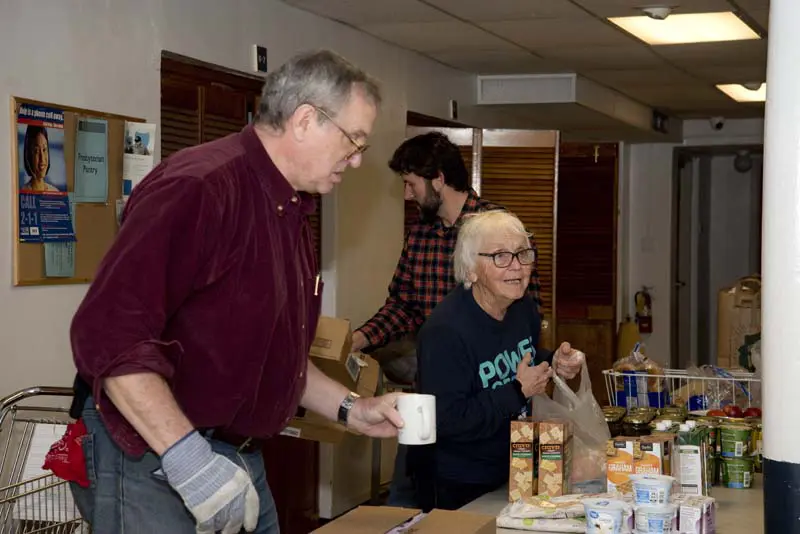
(471, 205)
(281, 194)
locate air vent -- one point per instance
(527, 89)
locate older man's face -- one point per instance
(340, 142)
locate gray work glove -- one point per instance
(217, 492)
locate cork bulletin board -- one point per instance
(94, 223)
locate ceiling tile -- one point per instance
(602, 57)
(761, 16)
(438, 36)
(494, 62)
(360, 12)
(737, 53)
(730, 73)
(622, 8)
(535, 33)
(620, 78)
(686, 96)
(753, 4)
(481, 11)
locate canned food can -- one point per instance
(737, 473)
(735, 440)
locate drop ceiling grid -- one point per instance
(537, 36)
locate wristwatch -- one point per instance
(346, 406)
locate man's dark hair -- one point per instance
(427, 155)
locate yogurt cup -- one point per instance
(651, 489)
(604, 516)
(655, 519)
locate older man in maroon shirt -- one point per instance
(192, 342)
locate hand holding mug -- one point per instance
(533, 379)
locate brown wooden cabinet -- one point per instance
(293, 474)
(586, 255)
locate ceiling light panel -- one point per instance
(740, 93)
(687, 28)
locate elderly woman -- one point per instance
(477, 354)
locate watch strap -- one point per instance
(346, 406)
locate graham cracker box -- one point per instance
(646, 455)
(522, 460)
(619, 464)
(555, 458)
(654, 456)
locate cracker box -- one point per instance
(555, 457)
(654, 455)
(522, 460)
(619, 464)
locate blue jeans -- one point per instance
(125, 498)
(402, 491)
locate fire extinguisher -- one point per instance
(644, 311)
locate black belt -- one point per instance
(243, 444)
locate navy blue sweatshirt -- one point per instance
(468, 360)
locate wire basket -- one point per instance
(709, 388)
(33, 500)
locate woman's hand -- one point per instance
(533, 379)
(568, 361)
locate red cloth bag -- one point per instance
(65, 457)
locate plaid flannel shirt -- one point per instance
(424, 276)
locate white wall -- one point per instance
(732, 221)
(106, 56)
(646, 208)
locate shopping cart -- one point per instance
(33, 500)
(701, 389)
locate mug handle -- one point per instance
(425, 431)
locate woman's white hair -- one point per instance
(474, 231)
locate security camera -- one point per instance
(717, 123)
(657, 12)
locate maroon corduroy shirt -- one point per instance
(212, 283)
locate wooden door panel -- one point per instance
(596, 340)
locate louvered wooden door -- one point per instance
(523, 180)
(586, 255)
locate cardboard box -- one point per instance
(314, 427)
(331, 351)
(523, 458)
(555, 458)
(738, 315)
(387, 519)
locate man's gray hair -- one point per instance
(323, 79)
(474, 231)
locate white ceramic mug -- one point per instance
(419, 414)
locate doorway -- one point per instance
(716, 240)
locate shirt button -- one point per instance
(295, 200)
(301, 374)
(303, 327)
(280, 208)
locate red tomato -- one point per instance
(752, 412)
(731, 410)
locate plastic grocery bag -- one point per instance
(590, 431)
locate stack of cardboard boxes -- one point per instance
(331, 353)
(391, 520)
